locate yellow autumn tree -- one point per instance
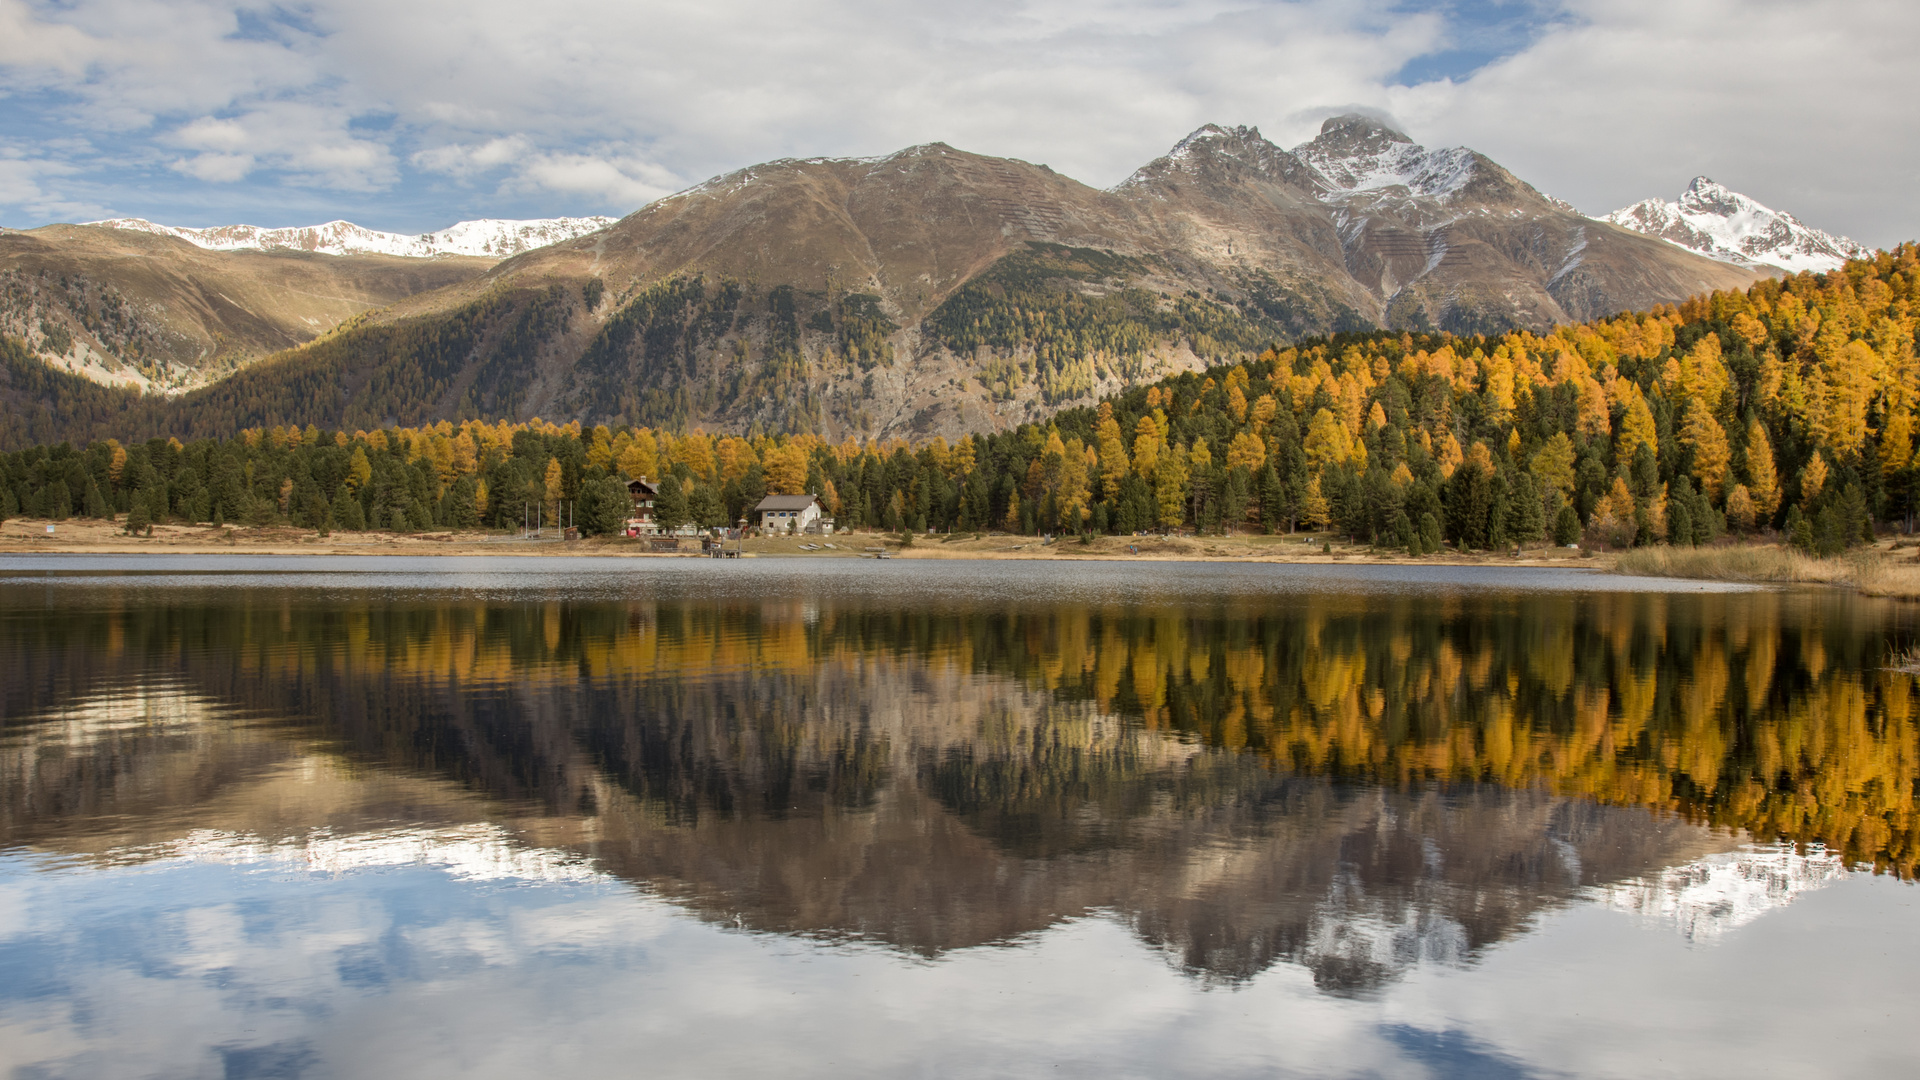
(1763, 481)
(1813, 478)
(1613, 518)
(359, 469)
(600, 449)
(1314, 509)
(642, 459)
(466, 455)
(1711, 455)
(1896, 442)
(1328, 442)
(1112, 448)
(1637, 428)
(786, 469)
(1147, 443)
(1072, 495)
(1553, 464)
(554, 488)
(1170, 488)
(1740, 509)
(1246, 449)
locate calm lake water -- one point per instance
(309, 817)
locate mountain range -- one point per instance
(926, 291)
(486, 238)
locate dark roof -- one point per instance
(642, 487)
(785, 502)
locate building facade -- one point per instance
(640, 519)
(792, 513)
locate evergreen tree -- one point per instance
(1566, 527)
(670, 508)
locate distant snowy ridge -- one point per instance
(486, 238)
(1723, 224)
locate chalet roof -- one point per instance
(643, 487)
(785, 502)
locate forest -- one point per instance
(1788, 406)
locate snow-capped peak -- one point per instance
(1356, 154)
(1720, 223)
(486, 238)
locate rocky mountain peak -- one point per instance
(1712, 219)
(1355, 153)
(1217, 151)
(1705, 196)
(1358, 127)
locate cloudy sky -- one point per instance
(411, 115)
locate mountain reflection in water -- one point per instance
(1353, 782)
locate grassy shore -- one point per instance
(84, 536)
(1881, 570)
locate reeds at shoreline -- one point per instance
(1873, 572)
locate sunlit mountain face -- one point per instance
(1348, 782)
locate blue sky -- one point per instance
(412, 116)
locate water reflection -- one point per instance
(1353, 782)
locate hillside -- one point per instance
(933, 291)
(156, 313)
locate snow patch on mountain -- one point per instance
(484, 238)
(1357, 154)
(1723, 224)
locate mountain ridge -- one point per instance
(937, 291)
(1720, 223)
(492, 238)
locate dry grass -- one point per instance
(1873, 572)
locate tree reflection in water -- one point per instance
(1354, 783)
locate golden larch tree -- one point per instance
(1711, 455)
(1763, 480)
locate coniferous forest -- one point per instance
(1787, 407)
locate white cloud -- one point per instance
(215, 168)
(25, 182)
(464, 160)
(615, 181)
(594, 106)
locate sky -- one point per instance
(411, 115)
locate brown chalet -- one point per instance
(640, 520)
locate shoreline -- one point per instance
(96, 537)
(1884, 570)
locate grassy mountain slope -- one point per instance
(154, 312)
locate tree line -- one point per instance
(1788, 406)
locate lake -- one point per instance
(341, 817)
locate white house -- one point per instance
(783, 513)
